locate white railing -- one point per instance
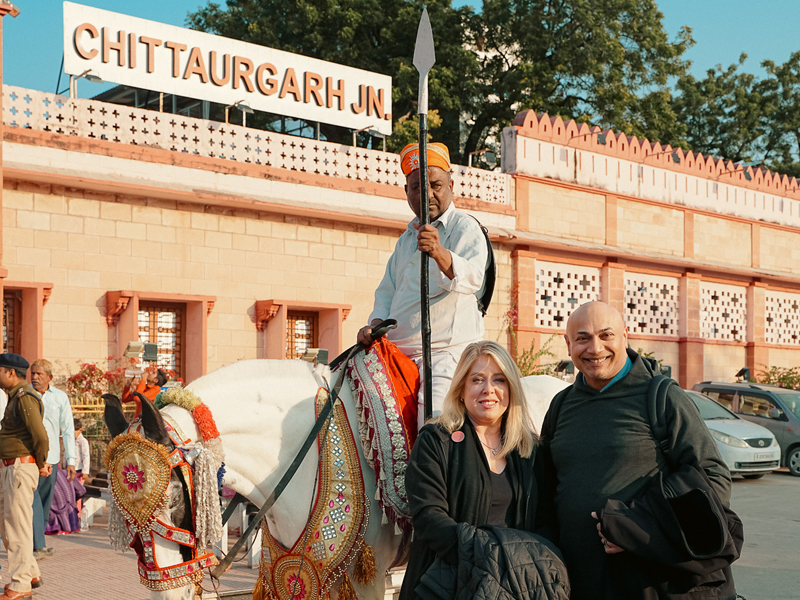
(41, 111)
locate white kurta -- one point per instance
(455, 318)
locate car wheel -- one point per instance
(793, 462)
(754, 476)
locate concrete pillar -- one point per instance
(757, 350)
(6, 8)
(612, 285)
(524, 285)
(690, 342)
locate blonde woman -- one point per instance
(473, 467)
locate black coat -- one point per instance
(450, 483)
(498, 563)
(679, 538)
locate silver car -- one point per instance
(748, 449)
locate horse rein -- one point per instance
(324, 416)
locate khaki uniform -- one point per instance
(22, 434)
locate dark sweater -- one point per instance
(603, 448)
(450, 483)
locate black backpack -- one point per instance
(489, 276)
(656, 409)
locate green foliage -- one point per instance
(641, 352)
(602, 61)
(406, 130)
(529, 362)
(782, 376)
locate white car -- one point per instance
(748, 449)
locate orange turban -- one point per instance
(438, 156)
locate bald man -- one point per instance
(600, 447)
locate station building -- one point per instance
(221, 242)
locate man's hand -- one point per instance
(365, 333)
(46, 470)
(428, 241)
(608, 546)
(71, 472)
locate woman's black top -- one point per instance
(502, 496)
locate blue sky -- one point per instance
(722, 29)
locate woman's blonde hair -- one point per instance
(518, 432)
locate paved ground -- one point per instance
(86, 567)
(769, 568)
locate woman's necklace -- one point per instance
(494, 450)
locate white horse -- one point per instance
(264, 410)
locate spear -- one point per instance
(424, 58)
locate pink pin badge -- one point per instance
(457, 436)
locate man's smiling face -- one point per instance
(596, 340)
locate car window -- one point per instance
(710, 409)
(791, 400)
(724, 398)
(758, 407)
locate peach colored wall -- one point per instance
(667, 352)
(565, 212)
(722, 362)
(783, 357)
(649, 227)
(87, 246)
(722, 241)
(780, 249)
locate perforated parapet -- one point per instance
(651, 304)
(560, 289)
(782, 320)
(723, 311)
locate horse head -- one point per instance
(150, 455)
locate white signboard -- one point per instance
(164, 58)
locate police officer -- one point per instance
(23, 451)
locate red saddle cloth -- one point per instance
(385, 386)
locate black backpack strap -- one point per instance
(489, 276)
(656, 410)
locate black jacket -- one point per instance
(498, 563)
(678, 537)
(449, 483)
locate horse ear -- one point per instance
(153, 423)
(113, 415)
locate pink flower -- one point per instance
(133, 477)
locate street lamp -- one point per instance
(240, 104)
(676, 158)
(73, 81)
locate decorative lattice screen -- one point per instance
(651, 304)
(782, 318)
(560, 289)
(723, 311)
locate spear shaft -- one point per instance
(424, 59)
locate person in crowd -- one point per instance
(83, 452)
(23, 455)
(458, 257)
(58, 422)
(64, 517)
(600, 447)
(149, 385)
(475, 466)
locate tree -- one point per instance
(607, 61)
(781, 109)
(722, 114)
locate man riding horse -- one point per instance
(456, 245)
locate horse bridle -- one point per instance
(189, 572)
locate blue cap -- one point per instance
(13, 361)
